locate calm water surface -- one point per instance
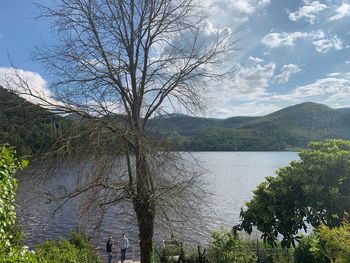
(232, 176)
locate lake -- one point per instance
(232, 176)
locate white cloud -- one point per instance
(234, 12)
(334, 74)
(247, 6)
(253, 80)
(251, 108)
(332, 90)
(321, 42)
(248, 83)
(325, 45)
(323, 90)
(342, 11)
(255, 60)
(274, 40)
(309, 11)
(286, 72)
(23, 82)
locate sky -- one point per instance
(289, 52)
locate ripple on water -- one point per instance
(233, 176)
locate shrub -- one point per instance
(226, 247)
(325, 244)
(75, 250)
(8, 186)
(334, 243)
(87, 252)
(307, 252)
(10, 234)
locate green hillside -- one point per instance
(30, 128)
(33, 129)
(292, 127)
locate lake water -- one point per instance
(233, 177)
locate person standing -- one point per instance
(124, 244)
(109, 246)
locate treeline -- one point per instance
(34, 130)
(289, 128)
(30, 128)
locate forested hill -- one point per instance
(33, 129)
(292, 127)
(30, 128)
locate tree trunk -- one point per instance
(144, 204)
(146, 227)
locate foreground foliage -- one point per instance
(224, 247)
(313, 190)
(325, 245)
(75, 250)
(9, 165)
(227, 247)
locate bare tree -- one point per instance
(133, 59)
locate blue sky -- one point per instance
(291, 51)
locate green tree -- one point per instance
(310, 191)
(9, 165)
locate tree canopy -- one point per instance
(312, 191)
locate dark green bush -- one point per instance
(305, 252)
(75, 250)
(226, 247)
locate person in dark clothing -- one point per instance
(109, 246)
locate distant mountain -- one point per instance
(33, 129)
(291, 127)
(29, 127)
(343, 110)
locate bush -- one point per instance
(334, 242)
(325, 244)
(226, 247)
(15, 255)
(75, 250)
(305, 252)
(10, 234)
(87, 252)
(8, 186)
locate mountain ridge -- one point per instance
(290, 127)
(32, 129)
